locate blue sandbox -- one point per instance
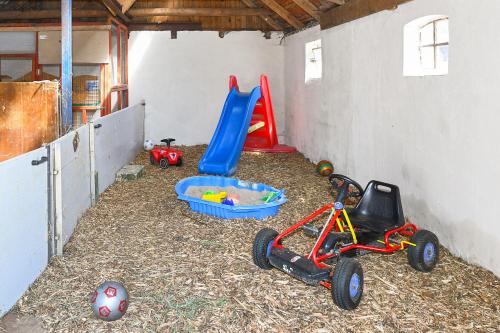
(226, 211)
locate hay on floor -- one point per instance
(190, 272)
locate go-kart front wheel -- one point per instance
(261, 244)
(347, 284)
(425, 254)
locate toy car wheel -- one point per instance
(179, 162)
(425, 254)
(261, 245)
(152, 159)
(163, 163)
(347, 283)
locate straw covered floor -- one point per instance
(190, 272)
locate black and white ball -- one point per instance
(110, 301)
(148, 145)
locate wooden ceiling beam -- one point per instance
(355, 9)
(337, 2)
(267, 18)
(126, 4)
(43, 27)
(309, 8)
(188, 26)
(115, 8)
(283, 13)
(48, 14)
(145, 12)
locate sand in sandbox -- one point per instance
(247, 197)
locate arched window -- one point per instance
(426, 46)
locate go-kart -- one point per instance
(164, 156)
(375, 224)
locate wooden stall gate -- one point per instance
(28, 116)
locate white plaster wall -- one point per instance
(184, 81)
(436, 137)
(118, 140)
(23, 225)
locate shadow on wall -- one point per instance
(138, 47)
(461, 241)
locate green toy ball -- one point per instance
(324, 168)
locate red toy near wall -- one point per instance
(262, 136)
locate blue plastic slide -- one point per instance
(223, 153)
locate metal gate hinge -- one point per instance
(40, 161)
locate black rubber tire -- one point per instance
(179, 162)
(152, 159)
(260, 244)
(416, 254)
(164, 163)
(341, 280)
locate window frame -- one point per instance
(315, 45)
(434, 43)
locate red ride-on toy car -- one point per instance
(376, 224)
(164, 155)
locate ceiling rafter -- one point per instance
(337, 2)
(355, 9)
(126, 5)
(267, 18)
(283, 13)
(309, 8)
(115, 8)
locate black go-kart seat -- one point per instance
(379, 209)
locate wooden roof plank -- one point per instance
(309, 8)
(283, 13)
(220, 12)
(267, 18)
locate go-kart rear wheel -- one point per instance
(425, 254)
(164, 163)
(152, 159)
(261, 245)
(179, 162)
(347, 283)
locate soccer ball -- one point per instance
(110, 301)
(148, 145)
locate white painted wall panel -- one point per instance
(23, 225)
(117, 142)
(17, 42)
(435, 136)
(185, 80)
(76, 195)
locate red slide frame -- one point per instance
(263, 137)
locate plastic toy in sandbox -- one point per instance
(230, 198)
(375, 224)
(164, 155)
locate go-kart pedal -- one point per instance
(297, 266)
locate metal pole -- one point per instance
(66, 66)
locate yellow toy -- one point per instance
(214, 197)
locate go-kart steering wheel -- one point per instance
(343, 189)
